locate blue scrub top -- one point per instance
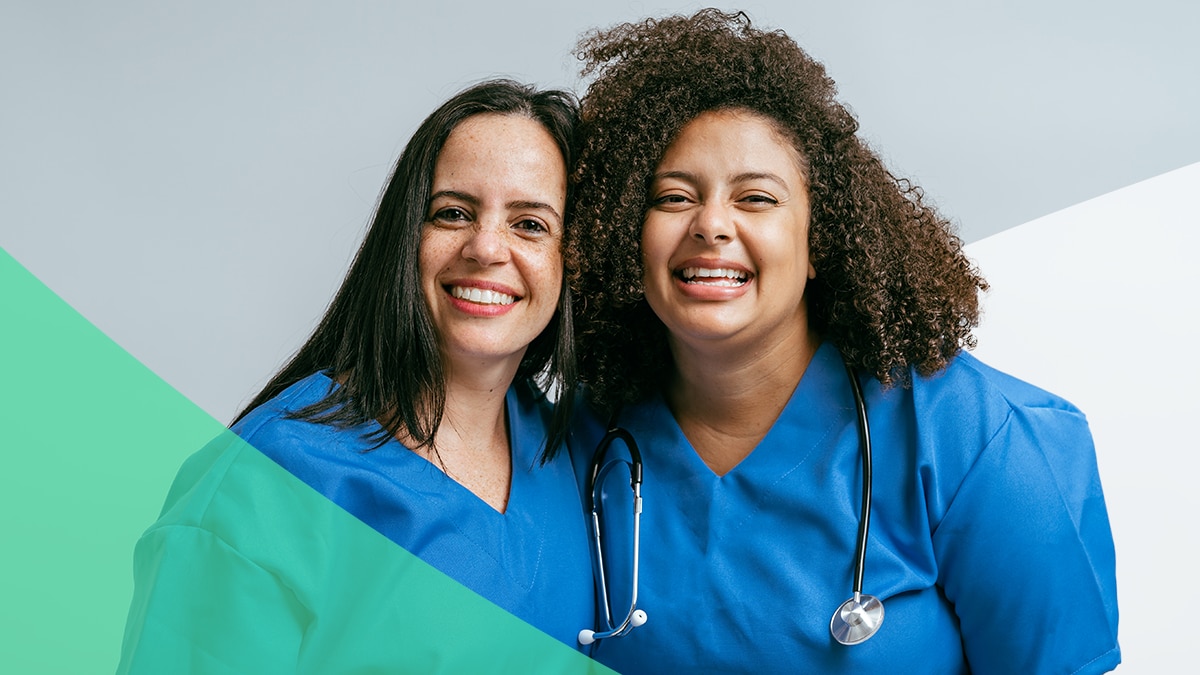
(989, 545)
(532, 560)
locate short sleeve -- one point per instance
(199, 606)
(1025, 551)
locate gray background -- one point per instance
(194, 177)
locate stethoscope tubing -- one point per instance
(853, 622)
(633, 617)
(864, 444)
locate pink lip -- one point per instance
(704, 292)
(475, 309)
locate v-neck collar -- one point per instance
(819, 406)
(414, 471)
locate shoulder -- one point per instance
(224, 476)
(293, 442)
(246, 504)
(968, 392)
(971, 421)
(274, 416)
(1039, 426)
(966, 369)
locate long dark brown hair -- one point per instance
(377, 337)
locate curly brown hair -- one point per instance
(894, 290)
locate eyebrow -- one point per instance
(739, 178)
(534, 205)
(474, 201)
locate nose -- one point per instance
(487, 244)
(713, 224)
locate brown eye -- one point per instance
(452, 213)
(762, 200)
(531, 226)
(671, 202)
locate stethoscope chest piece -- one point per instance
(856, 619)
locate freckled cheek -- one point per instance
(551, 274)
(434, 257)
(542, 268)
(438, 249)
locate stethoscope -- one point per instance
(853, 622)
(634, 617)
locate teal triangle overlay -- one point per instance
(92, 439)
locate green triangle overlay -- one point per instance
(92, 439)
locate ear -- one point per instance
(812, 271)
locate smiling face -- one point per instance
(490, 258)
(725, 239)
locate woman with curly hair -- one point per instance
(760, 304)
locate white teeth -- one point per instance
(481, 296)
(713, 277)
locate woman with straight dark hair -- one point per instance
(418, 406)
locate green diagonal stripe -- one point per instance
(91, 441)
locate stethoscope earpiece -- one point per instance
(638, 618)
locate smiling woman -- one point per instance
(761, 303)
(725, 249)
(491, 260)
(416, 406)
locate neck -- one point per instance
(726, 398)
(475, 393)
(472, 441)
